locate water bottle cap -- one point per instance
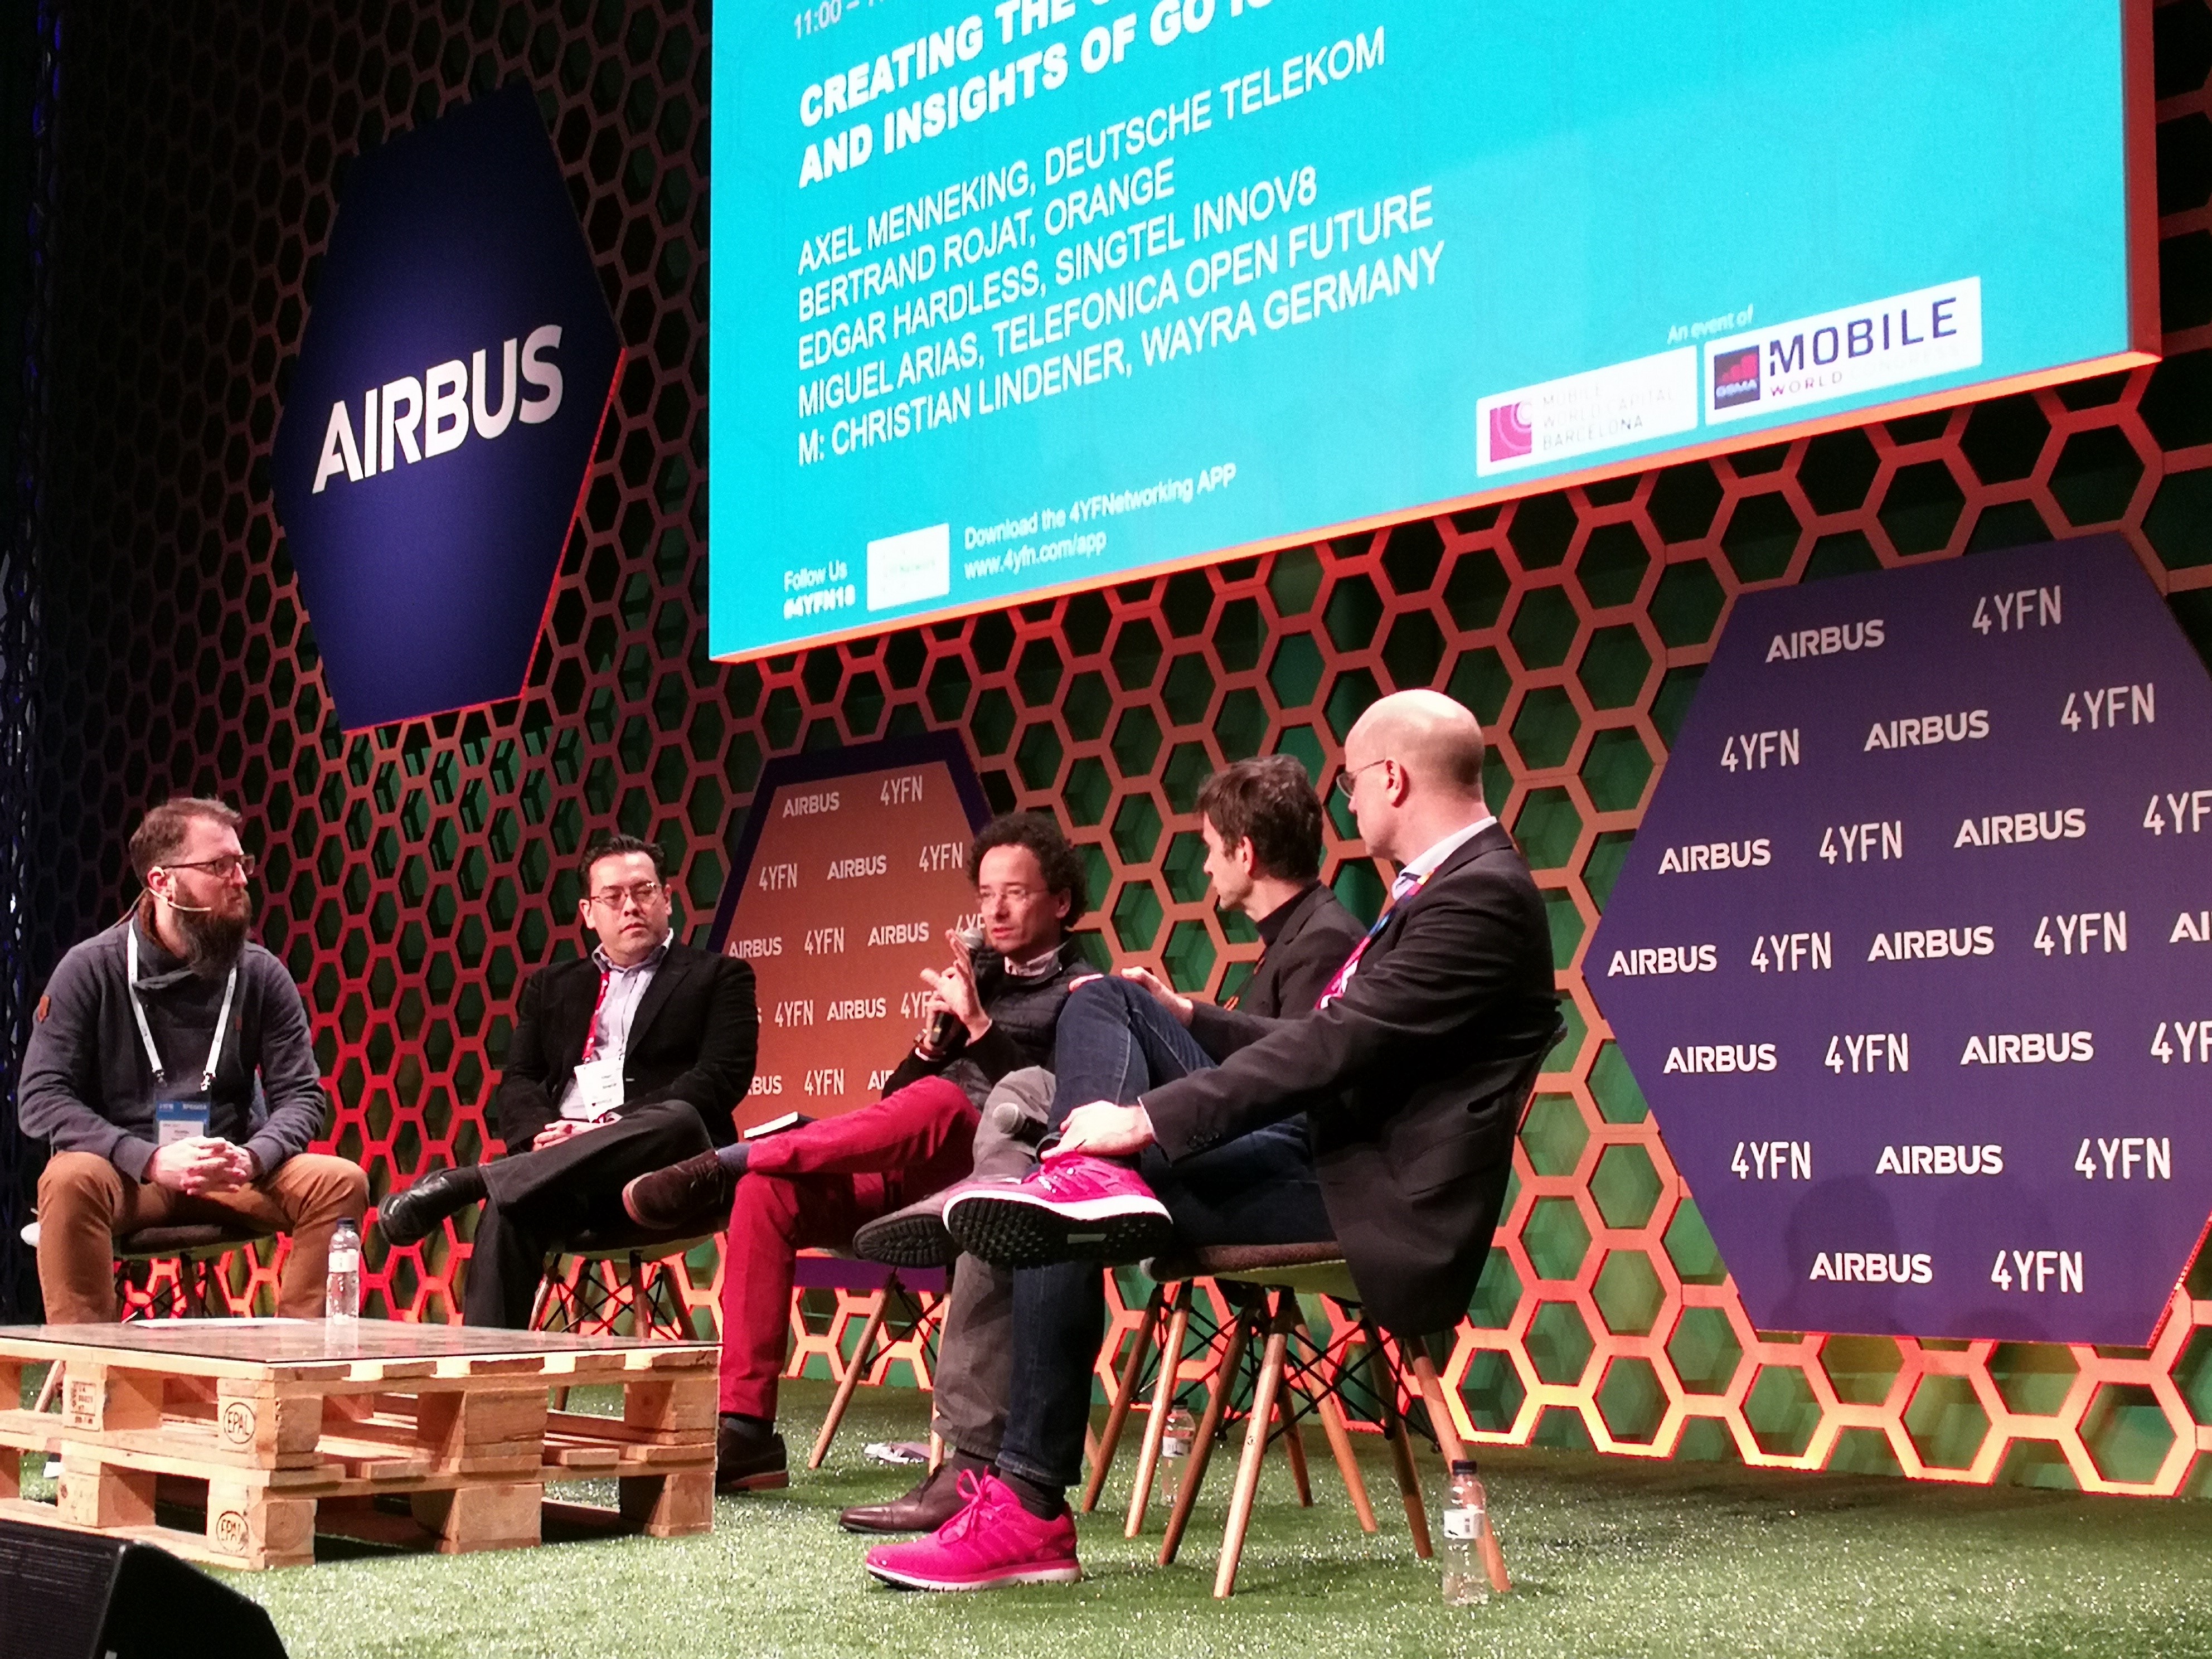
(1462, 1466)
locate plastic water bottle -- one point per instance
(1466, 1527)
(341, 1291)
(1176, 1434)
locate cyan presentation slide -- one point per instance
(1014, 296)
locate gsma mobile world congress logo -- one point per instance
(450, 383)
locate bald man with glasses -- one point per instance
(622, 1061)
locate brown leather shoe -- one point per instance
(695, 1193)
(925, 1509)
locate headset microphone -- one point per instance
(196, 910)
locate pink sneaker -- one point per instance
(993, 1542)
(1071, 1209)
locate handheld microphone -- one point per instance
(944, 1025)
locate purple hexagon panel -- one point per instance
(1909, 954)
(450, 383)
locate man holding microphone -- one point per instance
(994, 1011)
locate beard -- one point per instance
(214, 940)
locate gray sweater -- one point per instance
(86, 1085)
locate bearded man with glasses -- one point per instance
(624, 1061)
(171, 1071)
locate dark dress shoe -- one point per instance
(925, 1509)
(745, 1462)
(695, 1192)
(409, 1218)
(912, 1238)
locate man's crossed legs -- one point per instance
(1113, 1043)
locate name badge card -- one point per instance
(179, 1120)
(598, 1089)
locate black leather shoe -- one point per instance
(912, 1238)
(748, 1462)
(695, 1192)
(925, 1509)
(409, 1218)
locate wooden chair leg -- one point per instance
(632, 1291)
(671, 1281)
(1125, 1390)
(1448, 1441)
(1255, 1447)
(1294, 1442)
(850, 1380)
(541, 1307)
(1209, 1429)
(1440, 1418)
(1164, 1398)
(192, 1277)
(49, 1388)
(1401, 1445)
(1339, 1438)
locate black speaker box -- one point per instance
(72, 1595)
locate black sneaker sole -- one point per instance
(1009, 1234)
(906, 1240)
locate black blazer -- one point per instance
(693, 1038)
(1407, 1082)
(1317, 935)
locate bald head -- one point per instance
(1436, 740)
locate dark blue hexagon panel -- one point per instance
(450, 383)
(1910, 953)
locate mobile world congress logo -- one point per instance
(450, 384)
(1735, 377)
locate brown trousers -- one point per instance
(86, 1203)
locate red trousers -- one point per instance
(812, 1187)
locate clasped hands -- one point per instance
(561, 1129)
(202, 1163)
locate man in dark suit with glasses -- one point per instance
(622, 1061)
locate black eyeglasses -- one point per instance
(1348, 779)
(220, 868)
(641, 894)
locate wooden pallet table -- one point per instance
(432, 1434)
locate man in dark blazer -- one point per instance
(1410, 1071)
(622, 1061)
(1261, 825)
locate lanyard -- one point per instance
(633, 991)
(591, 1032)
(1334, 989)
(145, 1032)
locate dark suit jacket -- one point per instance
(1317, 935)
(693, 1038)
(1408, 1081)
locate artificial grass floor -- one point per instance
(1611, 1558)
